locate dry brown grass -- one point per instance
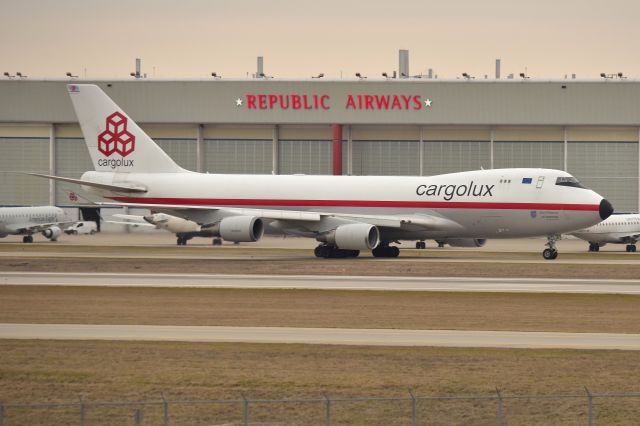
(313, 266)
(114, 371)
(318, 308)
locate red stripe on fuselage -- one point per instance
(358, 203)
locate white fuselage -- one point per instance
(12, 219)
(617, 229)
(484, 203)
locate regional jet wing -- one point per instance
(33, 228)
(630, 238)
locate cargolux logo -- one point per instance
(116, 138)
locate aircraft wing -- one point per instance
(407, 222)
(630, 238)
(34, 228)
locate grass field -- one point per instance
(59, 371)
(321, 308)
(313, 266)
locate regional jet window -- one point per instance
(569, 181)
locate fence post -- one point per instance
(138, 417)
(414, 411)
(327, 410)
(500, 408)
(81, 412)
(245, 411)
(590, 406)
(165, 411)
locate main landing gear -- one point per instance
(551, 252)
(385, 250)
(27, 239)
(595, 247)
(332, 252)
(631, 248)
(421, 245)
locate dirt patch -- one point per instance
(316, 308)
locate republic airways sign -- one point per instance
(362, 102)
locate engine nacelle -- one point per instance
(172, 223)
(355, 236)
(464, 242)
(241, 229)
(52, 233)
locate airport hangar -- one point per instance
(358, 126)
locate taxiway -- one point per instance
(312, 282)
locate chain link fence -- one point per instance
(497, 408)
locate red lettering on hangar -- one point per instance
(293, 101)
(384, 102)
(365, 102)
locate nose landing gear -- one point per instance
(551, 252)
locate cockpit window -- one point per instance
(569, 181)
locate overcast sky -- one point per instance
(192, 38)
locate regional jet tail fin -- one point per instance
(114, 140)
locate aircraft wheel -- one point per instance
(591, 247)
(633, 248)
(630, 248)
(549, 254)
(596, 247)
(323, 251)
(386, 251)
(27, 239)
(217, 242)
(421, 245)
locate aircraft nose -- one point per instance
(605, 209)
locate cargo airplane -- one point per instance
(617, 229)
(345, 214)
(26, 221)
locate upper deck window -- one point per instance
(569, 181)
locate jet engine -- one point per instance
(241, 229)
(464, 242)
(52, 233)
(355, 236)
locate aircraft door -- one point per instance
(540, 182)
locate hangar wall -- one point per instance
(470, 126)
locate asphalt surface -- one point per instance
(325, 336)
(312, 282)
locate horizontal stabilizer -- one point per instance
(118, 188)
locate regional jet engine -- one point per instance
(354, 236)
(52, 233)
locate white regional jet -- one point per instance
(26, 221)
(345, 213)
(617, 229)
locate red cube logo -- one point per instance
(116, 138)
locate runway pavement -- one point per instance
(325, 336)
(455, 284)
